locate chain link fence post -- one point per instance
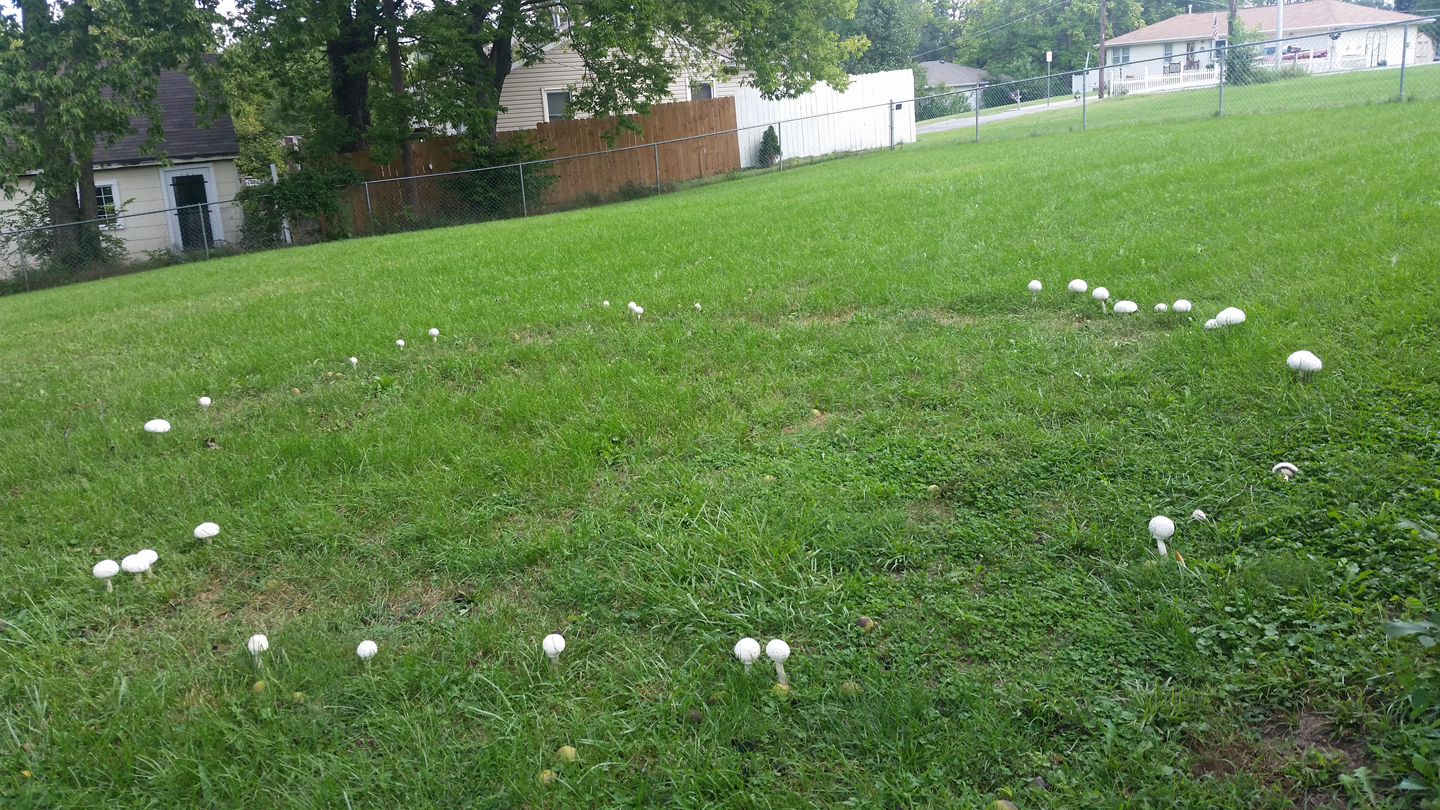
(778, 131)
(892, 124)
(1404, 56)
(524, 202)
(1221, 109)
(979, 99)
(657, 168)
(369, 212)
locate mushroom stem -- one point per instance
(1102, 307)
(140, 579)
(780, 673)
(256, 656)
(1034, 296)
(109, 586)
(747, 667)
(554, 663)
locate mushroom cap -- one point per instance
(1230, 316)
(400, 343)
(1303, 361)
(777, 650)
(697, 304)
(1198, 515)
(204, 402)
(134, 564)
(1036, 286)
(1161, 307)
(434, 332)
(1285, 466)
(105, 569)
(554, 644)
(1212, 324)
(1182, 305)
(1126, 307)
(367, 649)
(149, 555)
(157, 426)
(604, 303)
(206, 530)
(747, 650)
(1100, 294)
(354, 361)
(1161, 527)
(257, 644)
(639, 310)
(1078, 285)
(631, 305)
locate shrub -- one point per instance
(312, 195)
(769, 147)
(941, 101)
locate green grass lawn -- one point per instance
(1316, 92)
(760, 467)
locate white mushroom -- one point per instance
(1078, 286)
(1126, 307)
(633, 306)
(205, 531)
(1102, 295)
(257, 644)
(105, 569)
(1285, 470)
(748, 651)
(1161, 528)
(151, 557)
(1212, 324)
(157, 426)
(1035, 288)
(1198, 515)
(367, 650)
(697, 306)
(1182, 306)
(777, 651)
(604, 303)
(354, 362)
(1303, 362)
(554, 644)
(434, 334)
(137, 565)
(1161, 307)
(204, 402)
(1230, 316)
(400, 343)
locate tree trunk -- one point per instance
(38, 28)
(87, 233)
(499, 61)
(348, 55)
(1100, 93)
(408, 187)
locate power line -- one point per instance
(992, 30)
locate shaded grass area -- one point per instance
(762, 466)
(1309, 92)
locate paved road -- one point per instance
(964, 121)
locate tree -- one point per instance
(892, 30)
(74, 75)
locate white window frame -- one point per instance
(690, 88)
(545, 102)
(119, 223)
(217, 230)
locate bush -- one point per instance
(498, 194)
(769, 147)
(941, 101)
(57, 255)
(314, 195)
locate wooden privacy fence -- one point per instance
(578, 173)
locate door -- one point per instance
(194, 216)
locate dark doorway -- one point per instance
(193, 211)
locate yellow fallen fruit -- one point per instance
(547, 776)
(567, 753)
(850, 688)
(258, 687)
(297, 697)
(1001, 804)
(781, 690)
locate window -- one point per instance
(557, 105)
(701, 90)
(107, 205)
(1169, 52)
(1120, 56)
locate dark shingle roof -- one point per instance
(185, 139)
(951, 74)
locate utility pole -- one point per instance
(1100, 89)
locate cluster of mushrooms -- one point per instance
(1303, 362)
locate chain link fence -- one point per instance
(1337, 69)
(1344, 68)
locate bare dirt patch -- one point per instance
(818, 419)
(1300, 755)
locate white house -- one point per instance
(155, 207)
(541, 92)
(1184, 43)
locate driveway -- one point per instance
(963, 121)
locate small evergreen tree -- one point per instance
(769, 147)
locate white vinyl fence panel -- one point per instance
(859, 118)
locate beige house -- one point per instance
(179, 203)
(541, 92)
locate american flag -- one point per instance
(1215, 28)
